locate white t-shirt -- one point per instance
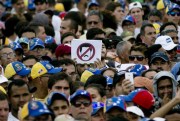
(11, 117)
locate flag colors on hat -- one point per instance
(161, 55)
(43, 67)
(93, 2)
(135, 110)
(80, 93)
(34, 109)
(49, 40)
(96, 107)
(135, 5)
(2, 90)
(15, 46)
(142, 98)
(35, 42)
(125, 97)
(109, 80)
(16, 68)
(166, 42)
(115, 102)
(24, 40)
(56, 95)
(137, 69)
(129, 18)
(85, 75)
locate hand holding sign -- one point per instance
(86, 51)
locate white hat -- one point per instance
(166, 42)
(159, 119)
(3, 79)
(64, 117)
(135, 110)
(135, 5)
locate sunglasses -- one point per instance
(174, 13)
(85, 103)
(138, 57)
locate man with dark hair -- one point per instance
(4, 107)
(41, 5)
(39, 30)
(19, 94)
(29, 61)
(148, 34)
(95, 33)
(155, 16)
(118, 11)
(28, 32)
(60, 82)
(68, 25)
(69, 68)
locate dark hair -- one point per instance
(110, 68)
(112, 6)
(155, 12)
(20, 27)
(109, 20)
(49, 30)
(98, 87)
(30, 57)
(96, 79)
(66, 61)
(35, 26)
(167, 24)
(3, 96)
(52, 47)
(14, 1)
(142, 31)
(16, 82)
(26, 29)
(73, 25)
(66, 35)
(76, 85)
(53, 79)
(139, 47)
(91, 33)
(10, 25)
(146, 71)
(49, 12)
(118, 77)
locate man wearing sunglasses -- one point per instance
(81, 107)
(173, 15)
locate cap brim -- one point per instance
(56, 96)
(170, 46)
(35, 114)
(119, 107)
(32, 48)
(96, 110)
(75, 97)
(158, 57)
(24, 72)
(54, 70)
(127, 38)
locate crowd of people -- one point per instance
(137, 77)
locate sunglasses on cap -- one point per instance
(174, 13)
(79, 103)
(138, 57)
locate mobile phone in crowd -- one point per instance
(129, 75)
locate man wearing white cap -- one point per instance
(135, 10)
(167, 43)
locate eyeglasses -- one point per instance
(138, 57)
(5, 55)
(174, 13)
(85, 103)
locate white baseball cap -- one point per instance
(135, 5)
(135, 110)
(3, 79)
(166, 42)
